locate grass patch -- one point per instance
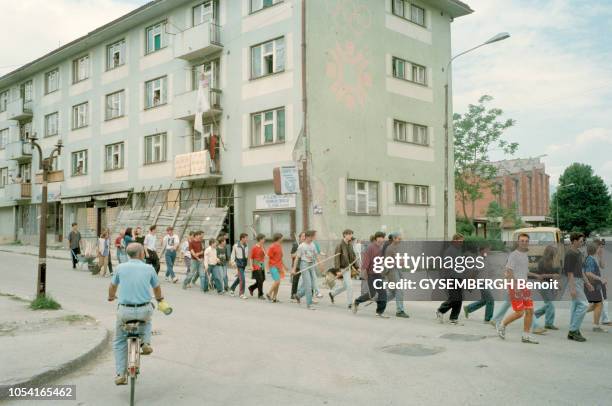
(44, 303)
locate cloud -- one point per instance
(37, 27)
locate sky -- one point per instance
(553, 75)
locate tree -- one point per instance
(583, 199)
(497, 216)
(477, 132)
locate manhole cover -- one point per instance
(412, 350)
(462, 337)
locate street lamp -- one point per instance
(45, 164)
(557, 199)
(496, 38)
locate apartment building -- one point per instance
(364, 106)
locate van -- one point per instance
(539, 238)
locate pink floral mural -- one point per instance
(348, 70)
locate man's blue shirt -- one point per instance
(135, 280)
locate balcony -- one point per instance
(196, 166)
(19, 109)
(185, 104)
(199, 41)
(18, 191)
(18, 151)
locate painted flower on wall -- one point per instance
(348, 70)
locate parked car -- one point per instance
(539, 238)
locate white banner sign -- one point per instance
(269, 202)
(289, 179)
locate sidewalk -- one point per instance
(64, 254)
(41, 345)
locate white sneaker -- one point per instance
(243, 297)
(501, 330)
(232, 293)
(319, 295)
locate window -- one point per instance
(403, 69)
(409, 11)
(156, 37)
(4, 98)
(51, 81)
(114, 156)
(51, 124)
(411, 194)
(114, 105)
(268, 58)
(257, 5)
(272, 222)
(79, 115)
(156, 92)
(361, 197)
(115, 55)
(155, 148)
(79, 163)
(199, 140)
(26, 91)
(204, 13)
(3, 177)
(408, 132)
(4, 135)
(268, 127)
(80, 69)
(25, 172)
(211, 71)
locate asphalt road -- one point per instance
(227, 351)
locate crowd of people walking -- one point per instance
(207, 263)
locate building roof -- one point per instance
(514, 166)
(109, 30)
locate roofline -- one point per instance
(463, 5)
(98, 30)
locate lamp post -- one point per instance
(557, 199)
(45, 164)
(499, 37)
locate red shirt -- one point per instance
(196, 246)
(258, 256)
(118, 241)
(275, 254)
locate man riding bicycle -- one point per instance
(136, 279)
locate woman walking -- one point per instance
(277, 268)
(103, 252)
(594, 296)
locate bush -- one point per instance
(465, 226)
(44, 302)
(473, 242)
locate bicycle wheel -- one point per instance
(132, 389)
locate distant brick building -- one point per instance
(520, 181)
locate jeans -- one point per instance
(295, 280)
(380, 294)
(486, 299)
(225, 279)
(501, 312)
(196, 268)
(395, 275)
(346, 286)
(170, 258)
(453, 303)
(189, 274)
(121, 255)
(547, 309)
(125, 313)
(73, 253)
(217, 277)
(313, 275)
(578, 307)
(239, 281)
(305, 287)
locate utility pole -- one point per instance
(45, 164)
(305, 189)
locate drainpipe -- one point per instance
(305, 174)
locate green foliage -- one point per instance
(584, 200)
(498, 215)
(44, 302)
(477, 132)
(464, 226)
(474, 242)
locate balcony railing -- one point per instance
(185, 104)
(198, 41)
(19, 109)
(26, 190)
(18, 191)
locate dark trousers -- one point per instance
(487, 301)
(239, 281)
(259, 277)
(381, 294)
(74, 252)
(453, 303)
(295, 280)
(153, 260)
(110, 263)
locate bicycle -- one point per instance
(132, 328)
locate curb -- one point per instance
(63, 369)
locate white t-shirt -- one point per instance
(170, 242)
(518, 262)
(185, 249)
(150, 242)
